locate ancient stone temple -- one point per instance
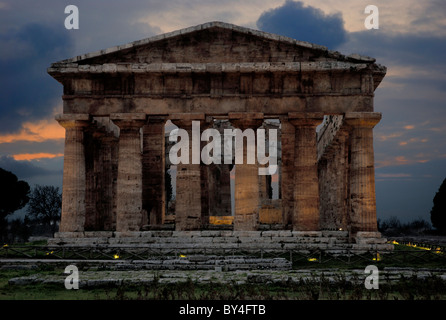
(118, 102)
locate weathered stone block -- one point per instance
(368, 234)
(306, 233)
(128, 234)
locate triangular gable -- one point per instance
(214, 42)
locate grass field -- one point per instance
(429, 287)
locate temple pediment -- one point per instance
(212, 42)
(213, 47)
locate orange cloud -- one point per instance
(384, 137)
(409, 127)
(36, 156)
(36, 132)
(412, 140)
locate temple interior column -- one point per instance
(74, 173)
(130, 215)
(108, 220)
(362, 171)
(306, 185)
(247, 189)
(333, 183)
(93, 169)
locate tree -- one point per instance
(45, 205)
(19, 230)
(438, 212)
(14, 195)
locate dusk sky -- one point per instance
(410, 144)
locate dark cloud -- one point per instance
(422, 49)
(27, 92)
(28, 169)
(105, 24)
(310, 24)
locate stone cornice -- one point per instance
(245, 67)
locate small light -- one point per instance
(378, 257)
(312, 259)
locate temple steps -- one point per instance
(209, 241)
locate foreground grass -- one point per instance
(431, 288)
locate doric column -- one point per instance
(362, 171)
(92, 137)
(154, 195)
(129, 185)
(74, 176)
(108, 220)
(306, 185)
(247, 189)
(188, 206)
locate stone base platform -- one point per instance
(216, 241)
(192, 262)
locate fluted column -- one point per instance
(154, 195)
(247, 188)
(362, 171)
(108, 220)
(92, 137)
(188, 207)
(74, 174)
(306, 185)
(129, 185)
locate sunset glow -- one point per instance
(35, 156)
(36, 132)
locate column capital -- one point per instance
(362, 119)
(73, 120)
(305, 119)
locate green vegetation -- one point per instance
(308, 288)
(431, 288)
(404, 256)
